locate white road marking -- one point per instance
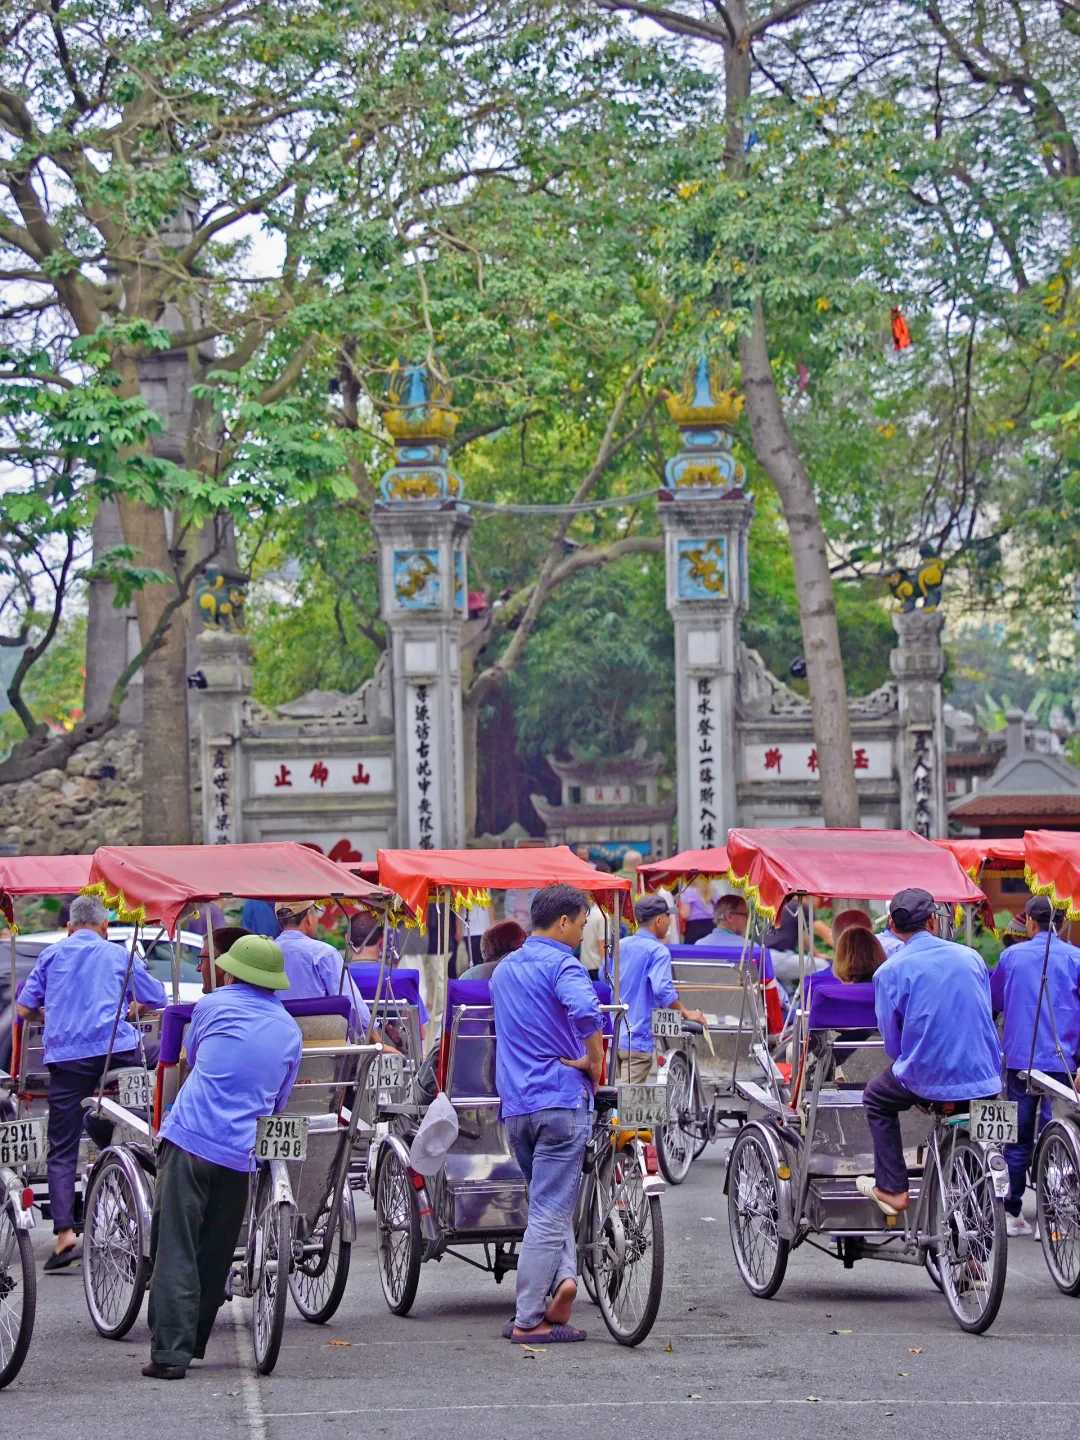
(250, 1397)
(638, 1404)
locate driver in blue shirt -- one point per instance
(1015, 983)
(244, 1049)
(647, 984)
(79, 984)
(315, 968)
(932, 1000)
(549, 1056)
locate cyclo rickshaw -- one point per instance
(22, 1124)
(1052, 868)
(477, 1199)
(791, 1176)
(734, 987)
(300, 1224)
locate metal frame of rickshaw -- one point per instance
(424, 1210)
(16, 1192)
(716, 1104)
(116, 1268)
(791, 1171)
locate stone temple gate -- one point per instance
(351, 773)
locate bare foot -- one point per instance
(562, 1302)
(898, 1201)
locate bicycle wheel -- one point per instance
(317, 1282)
(1057, 1200)
(272, 1242)
(18, 1296)
(115, 1267)
(397, 1216)
(754, 1216)
(674, 1144)
(628, 1245)
(969, 1222)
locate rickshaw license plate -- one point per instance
(666, 1024)
(22, 1142)
(133, 1087)
(642, 1106)
(993, 1121)
(281, 1137)
(387, 1078)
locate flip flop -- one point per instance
(65, 1258)
(557, 1335)
(865, 1186)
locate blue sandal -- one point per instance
(557, 1335)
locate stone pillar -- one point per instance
(918, 662)
(423, 567)
(223, 680)
(706, 519)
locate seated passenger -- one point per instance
(496, 942)
(730, 917)
(647, 985)
(1014, 990)
(782, 941)
(932, 1000)
(858, 955)
(225, 937)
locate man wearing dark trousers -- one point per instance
(1016, 989)
(244, 1048)
(79, 985)
(932, 1000)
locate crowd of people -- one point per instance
(935, 1003)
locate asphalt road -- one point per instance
(867, 1352)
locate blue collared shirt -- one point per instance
(545, 1009)
(315, 968)
(1014, 989)
(719, 936)
(245, 1049)
(889, 941)
(80, 983)
(932, 1000)
(647, 985)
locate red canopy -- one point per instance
(1052, 867)
(684, 866)
(974, 854)
(159, 882)
(413, 874)
(44, 874)
(857, 864)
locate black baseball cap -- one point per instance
(649, 907)
(1039, 909)
(908, 909)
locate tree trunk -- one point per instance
(470, 731)
(778, 454)
(166, 780)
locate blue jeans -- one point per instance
(1032, 1114)
(549, 1145)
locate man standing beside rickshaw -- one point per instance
(932, 1000)
(1015, 986)
(548, 1059)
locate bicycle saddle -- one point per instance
(605, 1099)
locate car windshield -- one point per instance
(159, 961)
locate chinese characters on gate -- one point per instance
(424, 773)
(219, 784)
(706, 783)
(800, 758)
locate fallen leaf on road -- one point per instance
(667, 1349)
(709, 1219)
(915, 1350)
(531, 1351)
(814, 1399)
(903, 1374)
(841, 1332)
(339, 1344)
(693, 1397)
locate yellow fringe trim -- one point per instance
(752, 893)
(1036, 886)
(125, 913)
